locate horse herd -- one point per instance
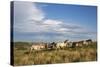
(60, 45)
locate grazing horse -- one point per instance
(62, 44)
(87, 42)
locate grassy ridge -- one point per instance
(67, 55)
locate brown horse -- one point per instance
(88, 42)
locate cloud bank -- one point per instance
(28, 18)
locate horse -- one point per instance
(37, 47)
(77, 44)
(87, 42)
(51, 45)
(62, 45)
(70, 44)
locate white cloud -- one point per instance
(63, 29)
(27, 10)
(23, 13)
(52, 22)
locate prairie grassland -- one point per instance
(67, 55)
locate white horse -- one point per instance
(62, 44)
(37, 47)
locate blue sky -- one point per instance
(54, 22)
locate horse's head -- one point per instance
(89, 40)
(65, 41)
(53, 44)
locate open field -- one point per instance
(67, 55)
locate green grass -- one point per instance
(67, 55)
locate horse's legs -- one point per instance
(30, 50)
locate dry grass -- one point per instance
(67, 55)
